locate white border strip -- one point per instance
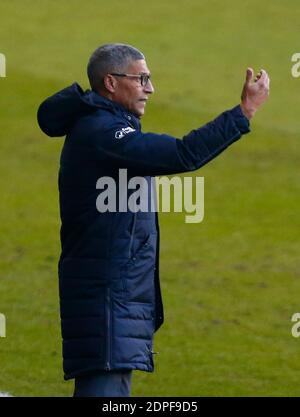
(5, 394)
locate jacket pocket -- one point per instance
(137, 274)
(138, 252)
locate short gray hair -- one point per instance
(114, 57)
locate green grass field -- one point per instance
(231, 283)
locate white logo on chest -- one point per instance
(121, 133)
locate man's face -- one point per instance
(129, 92)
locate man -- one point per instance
(110, 297)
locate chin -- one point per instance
(139, 113)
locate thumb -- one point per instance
(249, 75)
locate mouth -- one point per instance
(143, 99)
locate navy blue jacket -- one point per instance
(110, 298)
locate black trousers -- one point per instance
(104, 384)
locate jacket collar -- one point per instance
(94, 99)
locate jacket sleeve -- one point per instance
(155, 154)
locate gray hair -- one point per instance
(114, 57)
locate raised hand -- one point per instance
(254, 93)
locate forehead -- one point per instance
(138, 67)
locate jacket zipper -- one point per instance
(108, 330)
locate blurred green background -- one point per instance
(231, 283)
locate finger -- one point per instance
(267, 80)
(264, 76)
(264, 81)
(249, 75)
(257, 77)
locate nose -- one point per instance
(149, 89)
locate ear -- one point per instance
(110, 83)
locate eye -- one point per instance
(145, 78)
